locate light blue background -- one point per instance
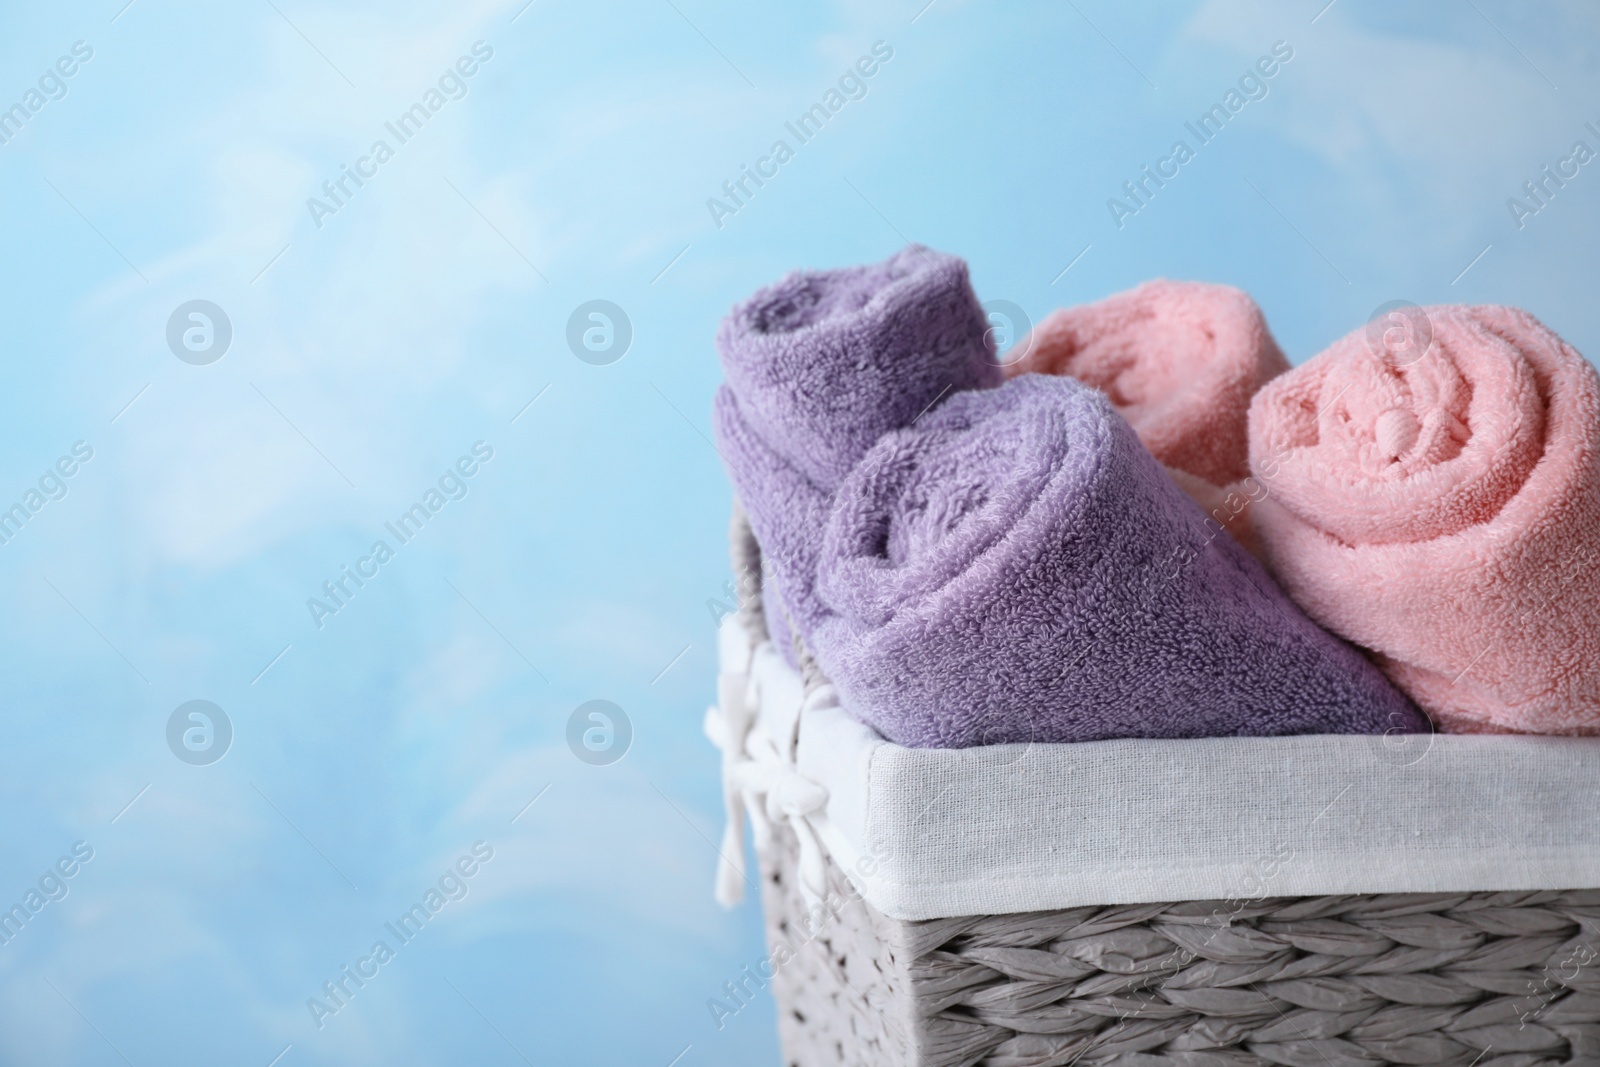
(422, 318)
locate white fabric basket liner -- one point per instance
(935, 833)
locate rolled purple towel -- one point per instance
(1017, 567)
(825, 362)
(787, 512)
(822, 364)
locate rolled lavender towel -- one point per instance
(825, 362)
(1017, 567)
(787, 512)
(819, 366)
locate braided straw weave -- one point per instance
(1501, 979)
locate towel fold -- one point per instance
(823, 363)
(1444, 511)
(1179, 360)
(819, 366)
(1017, 567)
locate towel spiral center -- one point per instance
(1382, 452)
(1396, 431)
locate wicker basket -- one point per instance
(1506, 979)
(1510, 979)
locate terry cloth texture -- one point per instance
(818, 367)
(1017, 567)
(823, 363)
(1018, 828)
(1443, 510)
(1179, 360)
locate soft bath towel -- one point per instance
(1017, 567)
(1179, 360)
(1444, 511)
(823, 363)
(819, 366)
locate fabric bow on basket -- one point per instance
(759, 775)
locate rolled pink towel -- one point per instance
(1444, 511)
(1179, 360)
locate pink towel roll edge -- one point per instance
(1179, 360)
(1445, 513)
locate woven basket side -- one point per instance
(744, 555)
(841, 991)
(1460, 979)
